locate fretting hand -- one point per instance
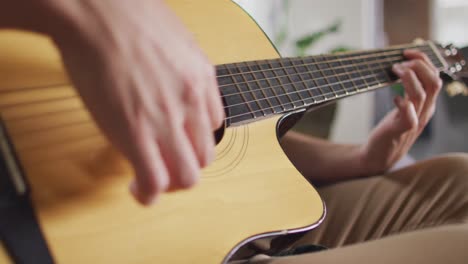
(397, 132)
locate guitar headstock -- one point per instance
(456, 68)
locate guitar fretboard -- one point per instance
(255, 89)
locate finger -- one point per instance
(198, 126)
(418, 55)
(412, 85)
(407, 118)
(429, 80)
(151, 176)
(215, 105)
(199, 132)
(431, 83)
(180, 159)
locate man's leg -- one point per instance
(445, 244)
(428, 196)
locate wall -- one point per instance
(450, 21)
(358, 32)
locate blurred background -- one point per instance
(309, 27)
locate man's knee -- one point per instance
(450, 173)
(454, 165)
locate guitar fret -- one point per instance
(314, 84)
(338, 91)
(236, 85)
(323, 84)
(274, 84)
(259, 109)
(436, 60)
(372, 71)
(303, 81)
(294, 87)
(384, 64)
(261, 88)
(361, 76)
(283, 82)
(267, 87)
(350, 79)
(311, 83)
(272, 95)
(265, 95)
(387, 68)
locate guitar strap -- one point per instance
(21, 234)
(19, 229)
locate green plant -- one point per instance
(306, 42)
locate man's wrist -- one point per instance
(369, 163)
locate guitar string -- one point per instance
(399, 49)
(296, 101)
(313, 80)
(371, 86)
(276, 78)
(304, 90)
(293, 66)
(281, 105)
(357, 71)
(39, 102)
(303, 59)
(319, 69)
(360, 56)
(7, 90)
(324, 95)
(235, 84)
(306, 61)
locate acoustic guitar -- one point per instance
(78, 183)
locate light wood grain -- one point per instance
(79, 182)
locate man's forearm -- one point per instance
(322, 161)
(44, 16)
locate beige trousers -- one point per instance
(415, 215)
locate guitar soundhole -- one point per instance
(219, 134)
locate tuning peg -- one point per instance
(450, 50)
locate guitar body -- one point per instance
(79, 183)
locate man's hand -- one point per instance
(148, 86)
(397, 132)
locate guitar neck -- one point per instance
(257, 89)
